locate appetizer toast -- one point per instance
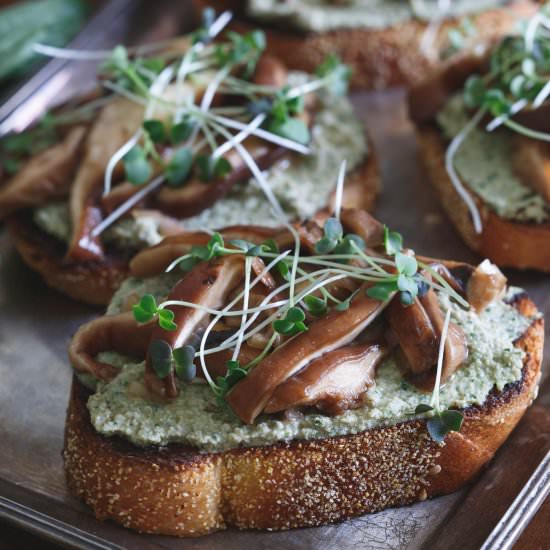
(179, 139)
(482, 136)
(274, 386)
(395, 46)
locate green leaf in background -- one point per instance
(51, 22)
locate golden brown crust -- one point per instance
(177, 491)
(95, 282)
(92, 282)
(380, 58)
(506, 243)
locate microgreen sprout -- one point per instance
(440, 422)
(518, 79)
(292, 323)
(147, 310)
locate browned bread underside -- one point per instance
(175, 490)
(95, 282)
(91, 282)
(379, 57)
(505, 242)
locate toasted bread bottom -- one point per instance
(380, 58)
(90, 282)
(505, 242)
(175, 490)
(95, 282)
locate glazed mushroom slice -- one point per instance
(119, 333)
(44, 177)
(531, 162)
(418, 329)
(270, 71)
(116, 123)
(486, 284)
(338, 328)
(208, 284)
(195, 195)
(333, 383)
(363, 224)
(154, 260)
(456, 345)
(415, 334)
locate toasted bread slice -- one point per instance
(507, 243)
(92, 282)
(177, 491)
(95, 282)
(380, 58)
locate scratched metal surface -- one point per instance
(36, 323)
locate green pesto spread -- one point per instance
(195, 419)
(302, 184)
(321, 15)
(484, 163)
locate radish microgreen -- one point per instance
(146, 310)
(440, 421)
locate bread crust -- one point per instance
(380, 58)
(507, 243)
(91, 282)
(177, 491)
(95, 282)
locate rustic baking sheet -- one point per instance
(36, 324)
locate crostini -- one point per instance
(385, 42)
(273, 378)
(198, 133)
(482, 124)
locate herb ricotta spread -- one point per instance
(321, 15)
(484, 162)
(194, 417)
(302, 184)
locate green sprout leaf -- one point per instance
(333, 229)
(160, 353)
(293, 323)
(181, 131)
(336, 74)
(166, 319)
(393, 241)
(325, 245)
(179, 167)
(184, 363)
(210, 168)
(294, 129)
(136, 166)
(315, 305)
(155, 129)
(383, 290)
(423, 408)
(405, 264)
(146, 310)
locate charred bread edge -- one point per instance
(91, 282)
(176, 491)
(507, 243)
(380, 58)
(96, 282)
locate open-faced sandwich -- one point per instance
(177, 139)
(274, 378)
(386, 42)
(484, 125)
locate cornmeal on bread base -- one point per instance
(507, 243)
(95, 282)
(379, 58)
(174, 490)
